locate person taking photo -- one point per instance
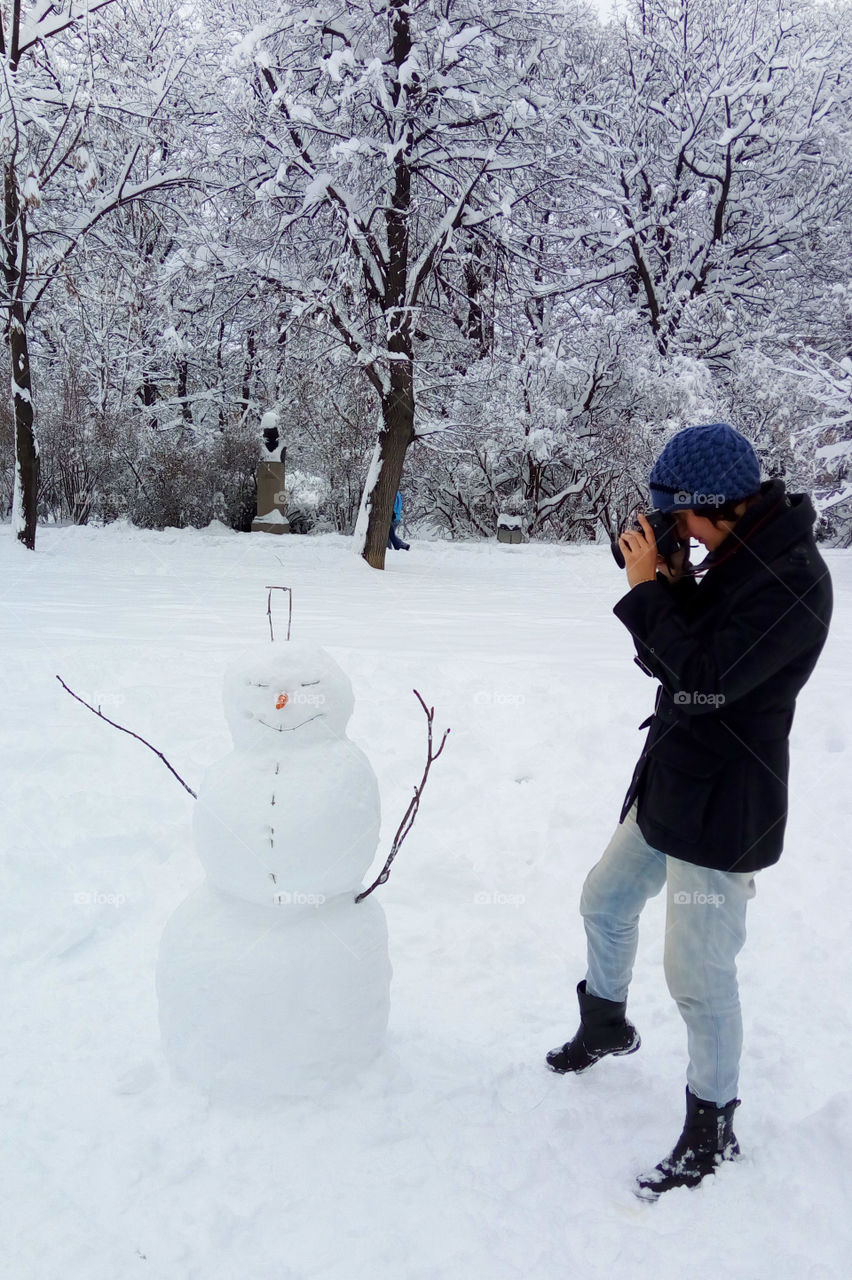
(731, 644)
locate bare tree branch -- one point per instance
(97, 711)
(414, 804)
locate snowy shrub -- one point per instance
(187, 479)
(231, 469)
(174, 488)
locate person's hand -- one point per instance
(639, 548)
(675, 566)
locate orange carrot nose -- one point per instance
(282, 701)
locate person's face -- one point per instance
(689, 525)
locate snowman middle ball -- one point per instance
(265, 828)
(295, 808)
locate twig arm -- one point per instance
(414, 803)
(97, 711)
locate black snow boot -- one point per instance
(707, 1140)
(603, 1029)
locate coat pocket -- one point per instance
(682, 779)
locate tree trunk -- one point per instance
(26, 449)
(182, 384)
(383, 482)
(25, 502)
(148, 395)
(248, 370)
(397, 431)
(221, 372)
(477, 327)
(281, 362)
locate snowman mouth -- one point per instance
(291, 728)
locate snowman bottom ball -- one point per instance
(260, 1002)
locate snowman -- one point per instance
(271, 979)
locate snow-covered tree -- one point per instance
(83, 86)
(385, 146)
(713, 157)
(527, 244)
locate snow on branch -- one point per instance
(364, 243)
(450, 222)
(41, 25)
(121, 194)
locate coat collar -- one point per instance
(765, 530)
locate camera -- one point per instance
(665, 531)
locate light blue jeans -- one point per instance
(705, 929)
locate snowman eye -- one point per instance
(257, 684)
(305, 683)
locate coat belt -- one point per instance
(717, 728)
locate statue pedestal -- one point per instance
(510, 529)
(271, 502)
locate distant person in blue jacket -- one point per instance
(395, 543)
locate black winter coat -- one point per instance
(731, 653)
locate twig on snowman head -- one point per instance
(97, 711)
(289, 590)
(414, 804)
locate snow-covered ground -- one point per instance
(457, 1154)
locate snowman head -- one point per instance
(286, 694)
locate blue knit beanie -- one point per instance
(704, 467)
